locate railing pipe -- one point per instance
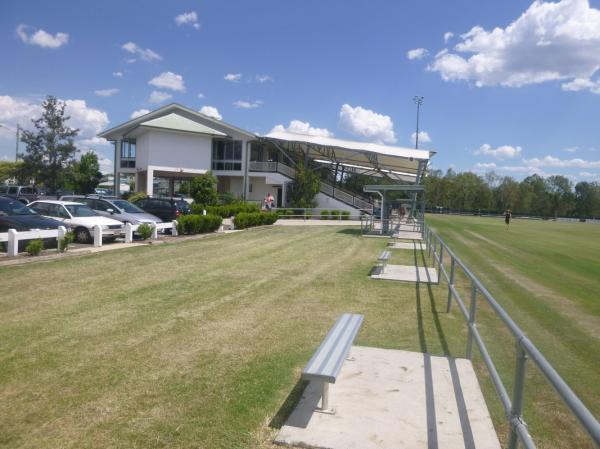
(450, 284)
(472, 311)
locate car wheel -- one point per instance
(82, 235)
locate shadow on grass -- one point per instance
(288, 405)
(350, 231)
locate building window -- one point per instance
(227, 155)
(128, 153)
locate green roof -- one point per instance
(176, 122)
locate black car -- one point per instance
(15, 215)
(167, 209)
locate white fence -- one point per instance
(12, 237)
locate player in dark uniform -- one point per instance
(507, 218)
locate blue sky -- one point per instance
(514, 89)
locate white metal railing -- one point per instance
(343, 196)
(326, 189)
(12, 238)
(262, 166)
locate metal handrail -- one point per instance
(524, 347)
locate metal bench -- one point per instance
(327, 361)
(383, 259)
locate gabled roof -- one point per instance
(177, 122)
(119, 131)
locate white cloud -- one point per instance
(233, 77)
(502, 152)
(417, 53)
(247, 104)
(423, 137)
(367, 124)
(485, 166)
(41, 38)
(145, 54)
(263, 78)
(188, 18)
(211, 111)
(90, 121)
(200, 95)
(581, 84)
(447, 36)
(118, 74)
(168, 80)
(555, 162)
(549, 41)
(106, 92)
(571, 149)
(304, 128)
(139, 113)
(158, 96)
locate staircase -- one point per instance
(327, 189)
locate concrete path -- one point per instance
(408, 235)
(408, 245)
(309, 222)
(406, 273)
(390, 399)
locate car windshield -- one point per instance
(126, 206)
(15, 208)
(80, 210)
(183, 205)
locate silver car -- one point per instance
(116, 208)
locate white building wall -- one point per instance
(180, 150)
(142, 151)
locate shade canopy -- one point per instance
(396, 163)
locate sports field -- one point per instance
(199, 344)
(547, 276)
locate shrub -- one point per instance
(136, 196)
(345, 215)
(63, 244)
(35, 247)
(284, 213)
(203, 189)
(228, 198)
(145, 231)
(335, 214)
(245, 220)
(324, 215)
(198, 224)
(226, 210)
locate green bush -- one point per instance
(345, 215)
(203, 189)
(324, 215)
(63, 244)
(225, 210)
(136, 196)
(284, 213)
(335, 214)
(35, 247)
(198, 224)
(245, 220)
(145, 231)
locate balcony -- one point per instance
(127, 162)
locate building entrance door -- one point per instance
(279, 197)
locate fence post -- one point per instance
(128, 233)
(13, 243)
(61, 235)
(174, 229)
(441, 261)
(97, 235)
(154, 232)
(516, 410)
(450, 284)
(472, 310)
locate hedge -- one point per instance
(226, 210)
(198, 224)
(245, 220)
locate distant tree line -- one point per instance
(553, 196)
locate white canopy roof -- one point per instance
(397, 162)
(176, 122)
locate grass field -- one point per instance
(547, 276)
(199, 344)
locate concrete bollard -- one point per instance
(61, 235)
(13, 243)
(97, 236)
(128, 233)
(174, 229)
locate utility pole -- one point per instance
(418, 101)
(18, 132)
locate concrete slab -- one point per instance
(406, 273)
(391, 399)
(408, 245)
(408, 235)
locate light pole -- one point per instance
(18, 131)
(418, 101)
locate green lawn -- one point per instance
(547, 277)
(199, 344)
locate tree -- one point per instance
(203, 189)
(587, 199)
(305, 187)
(50, 148)
(84, 175)
(7, 170)
(560, 192)
(507, 194)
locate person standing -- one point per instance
(507, 218)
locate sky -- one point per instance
(510, 86)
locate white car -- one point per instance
(80, 218)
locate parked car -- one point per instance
(80, 218)
(167, 209)
(25, 194)
(15, 215)
(116, 208)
